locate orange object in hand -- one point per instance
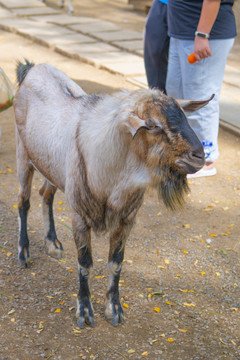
(191, 58)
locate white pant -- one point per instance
(198, 82)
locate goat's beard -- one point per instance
(172, 187)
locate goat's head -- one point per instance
(163, 139)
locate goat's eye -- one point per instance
(150, 124)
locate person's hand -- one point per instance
(201, 48)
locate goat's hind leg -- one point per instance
(53, 245)
(25, 174)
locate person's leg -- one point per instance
(156, 45)
(200, 81)
(174, 76)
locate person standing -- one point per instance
(207, 28)
(156, 45)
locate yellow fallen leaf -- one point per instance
(9, 254)
(99, 260)
(59, 202)
(99, 277)
(223, 342)
(182, 330)
(59, 209)
(231, 225)
(77, 331)
(9, 170)
(187, 226)
(233, 342)
(166, 261)
(141, 295)
(157, 309)
(192, 291)
(228, 232)
(184, 291)
(157, 251)
(213, 235)
(131, 351)
(11, 312)
(129, 261)
(39, 205)
(185, 251)
(15, 206)
(170, 339)
(75, 295)
(217, 274)
(178, 275)
(33, 273)
(235, 309)
(62, 260)
(202, 272)
(2, 172)
(125, 306)
(3, 250)
(196, 262)
(13, 320)
(145, 353)
(160, 267)
(163, 335)
(57, 310)
(91, 356)
(176, 312)
(188, 304)
(169, 303)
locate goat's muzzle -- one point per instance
(191, 162)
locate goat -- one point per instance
(103, 152)
(70, 7)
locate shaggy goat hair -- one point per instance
(103, 152)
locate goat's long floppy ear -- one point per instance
(190, 106)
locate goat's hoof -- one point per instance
(24, 258)
(114, 313)
(54, 248)
(82, 320)
(85, 313)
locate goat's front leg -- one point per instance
(82, 237)
(114, 311)
(53, 245)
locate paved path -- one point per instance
(102, 44)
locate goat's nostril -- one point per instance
(198, 154)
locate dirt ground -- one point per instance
(180, 281)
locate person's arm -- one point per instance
(208, 16)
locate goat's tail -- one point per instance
(22, 70)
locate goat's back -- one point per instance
(47, 115)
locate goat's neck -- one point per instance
(111, 165)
